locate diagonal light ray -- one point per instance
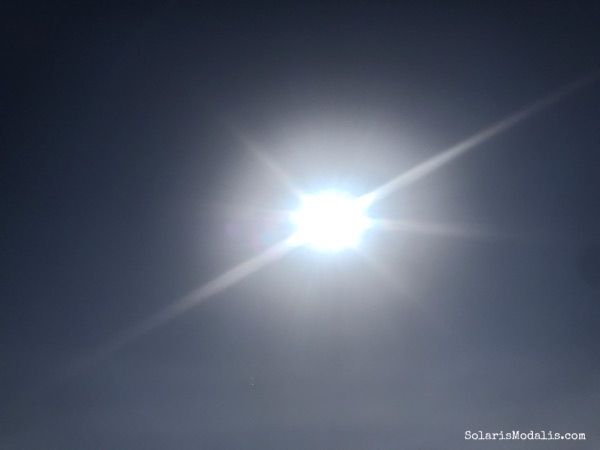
(193, 299)
(436, 162)
(183, 305)
(269, 162)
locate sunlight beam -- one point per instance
(273, 166)
(434, 229)
(521, 237)
(193, 299)
(174, 310)
(436, 162)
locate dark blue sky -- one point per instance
(126, 183)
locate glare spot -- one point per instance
(330, 221)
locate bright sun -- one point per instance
(331, 221)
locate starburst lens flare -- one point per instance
(331, 221)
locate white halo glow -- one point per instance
(330, 221)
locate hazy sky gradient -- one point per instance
(127, 183)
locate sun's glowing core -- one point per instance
(330, 221)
